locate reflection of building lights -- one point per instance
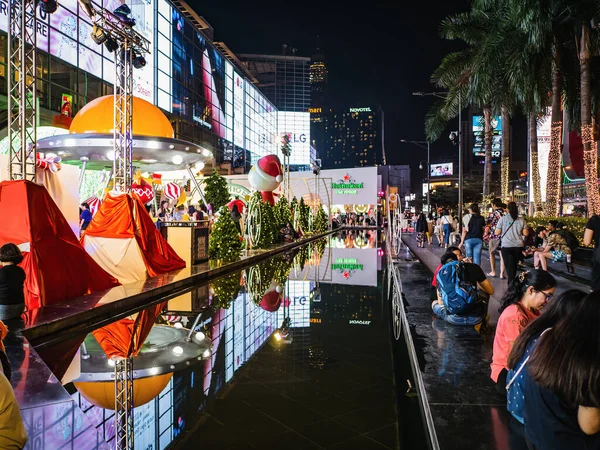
(200, 336)
(178, 325)
(178, 350)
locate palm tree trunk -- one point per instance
(505, 160)
(535, 168)
(590, 149)
(551, 205)
(487, 144)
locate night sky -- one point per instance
(376, 54)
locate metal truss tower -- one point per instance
(124, 404)
(22, 89)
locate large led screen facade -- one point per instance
(297, 126)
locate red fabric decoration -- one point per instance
(125, 337)
(124, 216)
(57, 266)
(143, 191)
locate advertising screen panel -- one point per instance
(479, 132)
(543, 138)
(297, 125)
(238, 110)
(441, 170)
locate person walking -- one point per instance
(511, 229)
(592, 233)
(430, 226)
(446, 221)
(472, 235)
(494, 240)
(421, 229)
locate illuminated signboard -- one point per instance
(347, 185)
(441, 169)
(238, 110)
(297, 125)
(479, 132)
(346, 263)
(315, 110)
(359, 110)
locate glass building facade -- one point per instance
(207, 99)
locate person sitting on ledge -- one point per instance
(12, 280)
(470, 275)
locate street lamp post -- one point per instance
(460, 149)
(420, 144)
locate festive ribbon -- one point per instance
(49, 163)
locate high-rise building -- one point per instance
(284, 79)
(318, 90)
(353, 138)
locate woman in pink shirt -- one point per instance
(525, 297)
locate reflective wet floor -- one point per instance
(294, 352)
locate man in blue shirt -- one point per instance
(85, 216)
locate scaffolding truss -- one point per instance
(123, 141)
(22, 89)
(124, 404)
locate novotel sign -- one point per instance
(359, 110)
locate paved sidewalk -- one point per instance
(430, 256)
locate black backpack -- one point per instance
(572, 241)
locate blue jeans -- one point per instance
(473, 248)
(447, 231)
(473, 318)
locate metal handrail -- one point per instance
(401, 322)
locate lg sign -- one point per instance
(296, 138)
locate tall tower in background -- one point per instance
(318, 106)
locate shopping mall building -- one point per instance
(203, 89)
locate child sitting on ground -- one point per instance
(12, 280)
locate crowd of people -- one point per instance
(503, 232)
(546, 350)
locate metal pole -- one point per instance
(428, 181)
(189, 169)
(84, 161)
(460, 164)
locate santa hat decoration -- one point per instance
(271, 301)
(271, 166)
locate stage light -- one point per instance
(48, 6)
(207, 153)
(200, 336)
(122, 13)
(99, 35)
(178, 325)
(178, 350)
(206, 354)
(177, 159)
(138, 61)
(111, 45)
(199, 166)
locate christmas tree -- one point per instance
(225, 242)
(293, 211)
(225, 290)
(283, 214)
(215, 191)
(304, 212)
(321, 223)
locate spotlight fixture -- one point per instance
(138, 61)
(48, 6)
(111, 45)
(99, 35)
(122, 13)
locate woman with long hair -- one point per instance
(558, 309)
(511, 229)
(525, 297)
(446, 222)
(421, 230)
(430, 225)
(562, 382)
